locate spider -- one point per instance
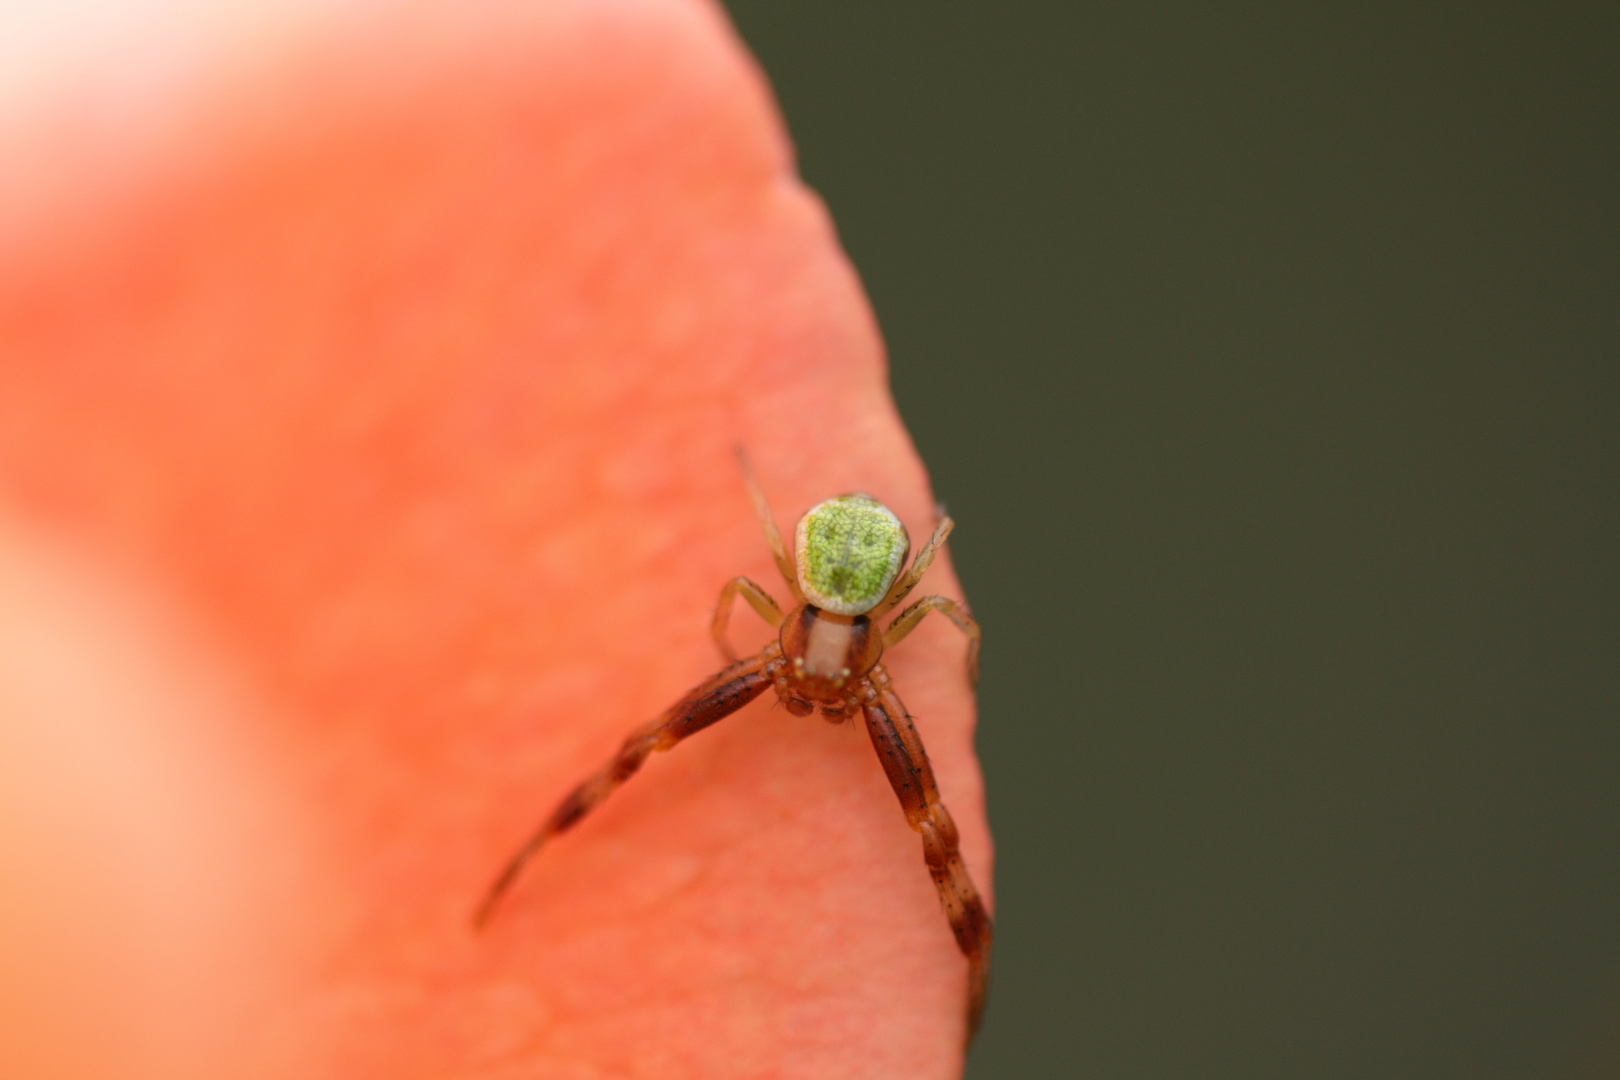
(850, 551)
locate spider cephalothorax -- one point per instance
(850, 551)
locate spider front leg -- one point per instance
(900, 749)
(908, 619)
(758, 599)
(714, 700)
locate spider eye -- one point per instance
(849, 551)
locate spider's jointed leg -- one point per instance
(900, 749)
(773, 538)
(919, 566)
(908, 619)
(713, 700)
(758, 599)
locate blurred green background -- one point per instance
(1270, 362)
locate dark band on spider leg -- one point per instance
(897, 765)
(714, 700)
(969, 921)
(900, 749)
(712, 703)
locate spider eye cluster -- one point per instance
(849, 551)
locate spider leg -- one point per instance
(762, 509)
(957, 613)
(900, 749)
(715, 699)
(919, 566)
(757, 598)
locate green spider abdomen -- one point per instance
(849, 551)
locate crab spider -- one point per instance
(846, 574)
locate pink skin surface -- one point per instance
(366, 412)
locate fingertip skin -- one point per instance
(410, 362)
(149, 858)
